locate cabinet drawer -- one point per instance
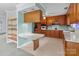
(72, 45)
(70, 52)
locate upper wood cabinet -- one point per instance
(61, 19)
(77, 12)
(50, 20)
(72, 14)
(56, 19)
(33, 16)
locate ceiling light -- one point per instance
(44, 17)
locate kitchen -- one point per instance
(58, 25)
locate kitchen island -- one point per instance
(32, 37)
(71, 43)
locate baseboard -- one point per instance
(2, 33)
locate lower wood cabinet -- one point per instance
(61, 34)
(48, 33)
(71, 48)
(43, 32)
(53, 33)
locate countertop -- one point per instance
(32, 36)
(71, 36)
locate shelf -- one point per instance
(12, 25)
(12, 19)
(12, 36)
(12, 29)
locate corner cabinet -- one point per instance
(73, 13)
(33, 16)
(77, 12)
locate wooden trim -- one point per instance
(36, 44)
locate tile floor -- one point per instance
(48, 47)
(10, 49)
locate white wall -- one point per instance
(3, 21)
(11, 13)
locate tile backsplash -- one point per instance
(60, 27)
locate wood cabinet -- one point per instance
(56, 19)
(50, 20)
(71, 48)
(33, 16)
(72, 14)
(77, 12)
(53, 33)
(44, 32)
(61, 34)
(62, 20)
(48, 33)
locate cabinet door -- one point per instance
(62, 20)
(70, 48)
(72, 14)
(56, 33)
(48, 33)
(52, 34)
(50, 20)
(78, 12)
(70, 52)
(27, 19)
(61, 35)
(33, 16)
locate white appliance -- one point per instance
(43, 27)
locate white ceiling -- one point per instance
(7, 7)
(49, 9)
(52, 9)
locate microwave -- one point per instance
(43, 27)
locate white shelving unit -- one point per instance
(12, 30)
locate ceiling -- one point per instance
(49, 9)
(7, 6)
(52, 9)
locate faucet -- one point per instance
(55, 28)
